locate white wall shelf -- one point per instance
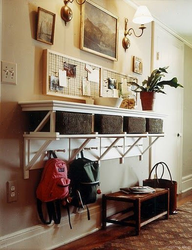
(30, 158)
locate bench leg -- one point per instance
(137, 214)
(104, 211)
(168, 200)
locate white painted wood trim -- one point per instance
(186, 183)
(54, 105)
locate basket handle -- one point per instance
(163, 164)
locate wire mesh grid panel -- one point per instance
(112, 83)
(69, 77)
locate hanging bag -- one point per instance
(53, 189)
(84, 176)
(164, 183)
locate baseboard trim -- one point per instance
(186, 183)
(52, 236)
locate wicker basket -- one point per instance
(108, 124)
(154, 126)
(74, 123)
(134, 125)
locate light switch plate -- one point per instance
(8, 72)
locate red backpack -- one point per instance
(53, 187)
(54, 182)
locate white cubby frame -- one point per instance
(48, 137)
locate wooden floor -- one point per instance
(94, 240)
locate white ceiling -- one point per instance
(175, 14)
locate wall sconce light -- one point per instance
(141, 16)
(66, 12)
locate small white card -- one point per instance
(62, 78)
(93, 73)
(86, 87)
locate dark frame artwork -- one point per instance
(99, 31)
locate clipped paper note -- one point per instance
(88, 68)
(62, 78)
(86, 87)
(93, 73)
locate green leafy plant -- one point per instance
(154, 82)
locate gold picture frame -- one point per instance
(137, 65)
(45, 26)
(99, 31)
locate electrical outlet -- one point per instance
(12, 191)
(9, 72)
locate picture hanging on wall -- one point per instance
(98, 31)
(137, 65)
(70, 70)
(45, 26)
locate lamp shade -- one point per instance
(142, 15)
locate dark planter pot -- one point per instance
(147, 100)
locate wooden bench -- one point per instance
(145, 208)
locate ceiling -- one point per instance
(176, 15)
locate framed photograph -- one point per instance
(137, 65)
(98, 31)
(45, 26)
(70, 70)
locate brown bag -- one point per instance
(164, 183)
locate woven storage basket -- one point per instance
(108, 124)
(134, 125)
(73, 123)
(154, 126)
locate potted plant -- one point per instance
(153, 84)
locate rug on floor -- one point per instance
(172, 234)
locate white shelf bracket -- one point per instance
(79, 149)
(51, 115)
(28, 164)
(150, 145)
(129, 149)
(108, 149)
(43, 122)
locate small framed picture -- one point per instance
(137, 65)
(45, 26)
(70, 70)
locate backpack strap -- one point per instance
(88, 213)
(68, 212)
(82, 205)
(82, 155)
(40, 212)
(51, 154)
(53, 211)
(55, 208)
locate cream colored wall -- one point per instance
(19, 46)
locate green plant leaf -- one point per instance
(172, 83)
(153, 83)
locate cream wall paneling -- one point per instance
(97, 146)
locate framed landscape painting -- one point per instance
(98, 31)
